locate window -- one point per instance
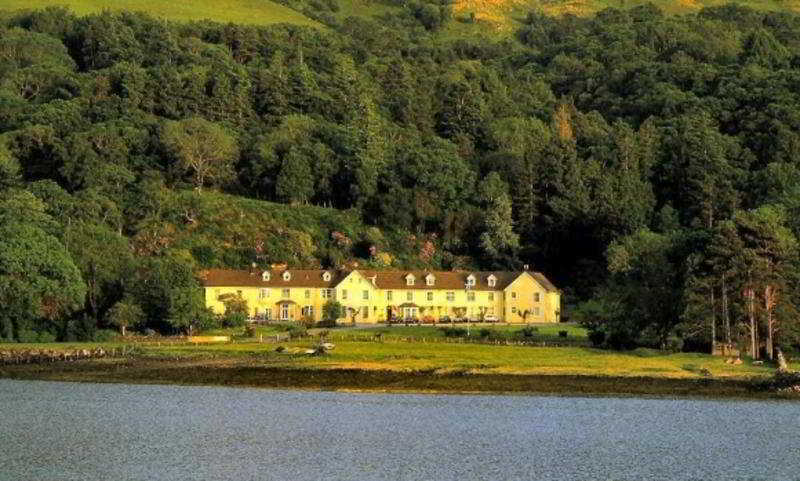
(365, 295)
(286, 293)
(492, 280)
(409, 280)
(268, 313)
(430, 296)
(265, 276)
(471, 280)
(239, 293)
(388, 295)
(326, 276)
(263, 293)
(535, 297)
(285, 312)
(491, 296)
(537, 311)
(344, 294)
(470, 296)
(409, 296)
(430, 279)
(514, 309)
(308, 293)
(327, 293)
(513, 295)
(308, 311)
(364, 312)
(286, 276)
(451, 296)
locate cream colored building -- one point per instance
(375, 296)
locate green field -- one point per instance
(403, 349)
(399, 363)
(254, 12)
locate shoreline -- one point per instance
(241, 373)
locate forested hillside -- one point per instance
(647, 163)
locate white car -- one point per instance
(490, 318)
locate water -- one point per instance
(63, 431)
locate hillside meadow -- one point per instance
(259, 12)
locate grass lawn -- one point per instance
(255, 12)
(398, 365)
(474, 358)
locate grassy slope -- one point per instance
(258, 12)
(499, 18)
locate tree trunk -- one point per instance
(769, 304)
(725, 313)
(751, 308)
(713, 323)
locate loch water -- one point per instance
(71, 431)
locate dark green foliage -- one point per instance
(236, 312)
(454, 332)
(331, 311)
(627, 155)
(526, 333)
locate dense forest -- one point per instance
(648, 164)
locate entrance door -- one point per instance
(285, 312)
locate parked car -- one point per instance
(490, 318)
(445, 320)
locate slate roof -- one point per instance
(383, 279)
(299, 278)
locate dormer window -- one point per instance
(410, 280)
(326, 276)
(492, 280)
(430, 279)
(286, 276)
(470, 280)
(265, 276)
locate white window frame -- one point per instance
(344, 294)
(409, 296)
(286, 292)
(326, 276)
(287, 276)
(263, 293)
(451, 296)
(430, 279)
(308, 293)
(265, 276)
(471, 296)
(365, 295)
(536, 297)
(471, 280)
(492, 281)
(537, 311)
(388, 295)
(409, 280)
(429, 295)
